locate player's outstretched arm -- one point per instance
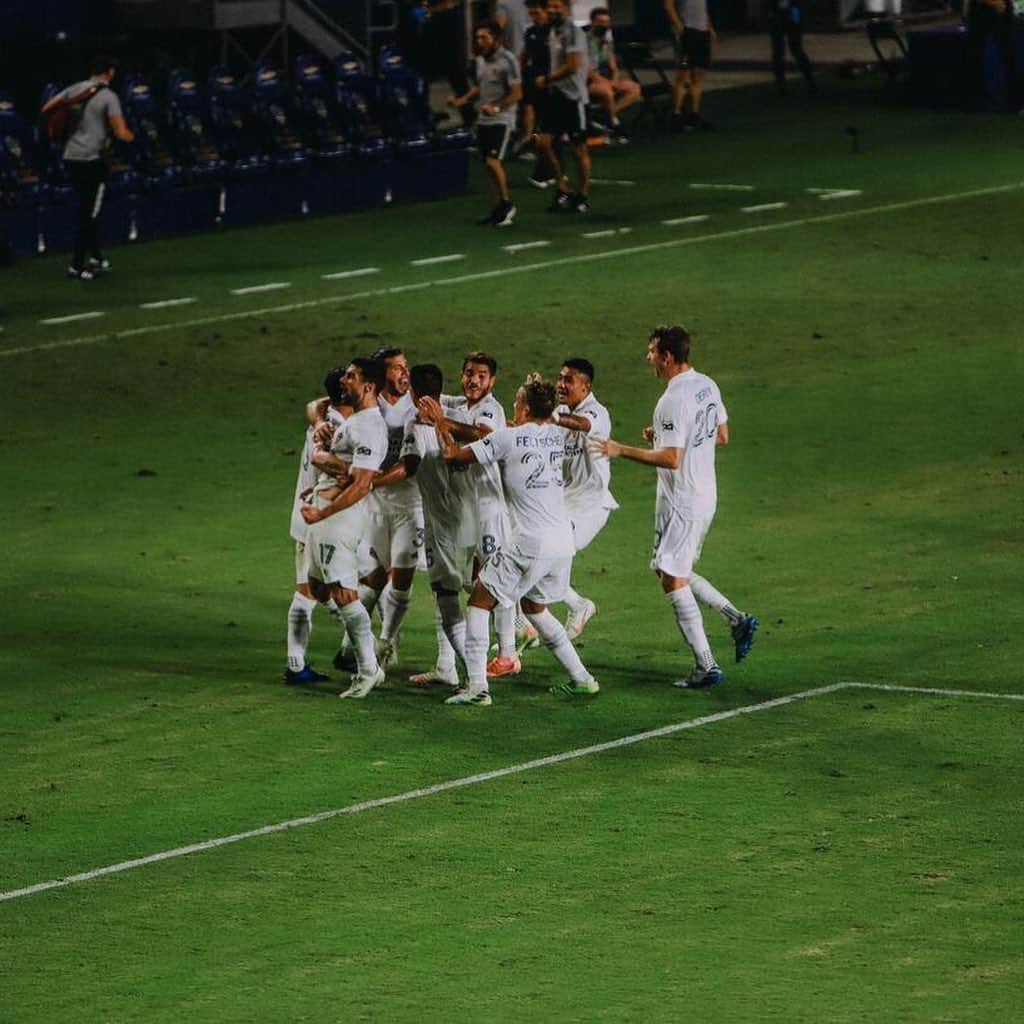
(572, 422)
(360, 486)
(661, 458)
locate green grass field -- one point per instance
(852, 856)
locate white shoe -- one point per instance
(362, 685)
(576, 620)
(387, 652)
(701, 678)
(435, 676)
(481, 698)
(527, 638)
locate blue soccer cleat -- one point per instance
(306, 674)
(701, 678)
(743, 635)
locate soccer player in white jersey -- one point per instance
(333, 410)
(533, 568)
(587, 474)
(470, 417)
(396, 513)
(338, 517)
(450, 520)
(690, 421)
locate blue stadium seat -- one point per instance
(404, 102)
(358, 99)
(151, 152)
(271, 107)
(21, 180)
(235, 135)
(191, 128)
(317, 109)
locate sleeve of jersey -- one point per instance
(371, 449)
(514, 75)
(673, 425)
(492, 447)
(492, 416)
(723, 415)
(578, 42)
(113, 104)
(600, 422)
(410, 441)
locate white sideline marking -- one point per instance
(722, 188)
(608, 233)
(498, 773)
(695, 219)
(624, 182)
(843, 193)
(761, 207)
(520, 246)
(342, 274)
(782, 225)
(166, 303)
(74, 316)
(273, 286)
(431, 260)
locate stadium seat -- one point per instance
(20, 178)
(151, 152)
(404, 103)
(191, 129)
(317, 111)
(234, 133)
(358, 101)
(271, 107)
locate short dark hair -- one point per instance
(672, 340)
(387, 352)
(595, 11)
(490, 25)
(373, 370)
(426, 380)
(102, 63)
(540, 397)
(585, 366)
(481, 357)
(333, 386)
(536, 3)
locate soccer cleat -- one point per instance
(538, 182)
(743, 635)
(481, 698)
(575, 621)
(99, 263)
(306, 674)
(500, 666)
(576, 688)
(387, 652)
(504, 215)
(80, 275)
(435, 676)
(701, 678)
(580, 203)
(345, 660)
(487, 221)
(527, 638)
(561, 202)
(362, 685)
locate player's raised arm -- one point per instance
(661, 458)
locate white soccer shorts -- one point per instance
(332, 550)
(301, 561)
(449, 566)
(586, 525)
(395, 537)
(493, 535)
(511, 575)
(677, 544)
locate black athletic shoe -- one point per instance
(489, 219)
(504, 214)
(98, 263)
(580, 203)
(345, 660)
(85, 274)
(561, 203)
(306, 674)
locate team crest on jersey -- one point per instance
(363, 450)
(667, 425)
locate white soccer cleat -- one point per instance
(481, 698)
(436, 676)
(576, 620)
(387, 652)
(362, 685)
(527, 638)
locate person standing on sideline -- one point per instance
(694, 33)
(98, 116)
(995, 20)
(786, 25)
(690, 422)
(498, 85)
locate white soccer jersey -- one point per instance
(687, 416)
(307, 477)
(447, 514)
(404, 495)
(587, 476)
(362, 442)
(484, 481)
(531, 458)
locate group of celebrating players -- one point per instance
(396, 475)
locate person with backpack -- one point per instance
(84, 116)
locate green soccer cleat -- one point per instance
(583, 688)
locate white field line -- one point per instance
(523, 268)
(520, 246)
(695, 219)
(498, 773)
(167, 303)
(341, 275)
(624, 182)
(844, 193)
(721, 188)
(272, 286)
(762, 207)
(607, 233)
(431, 260)
(94, 315)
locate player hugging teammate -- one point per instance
(408, 475)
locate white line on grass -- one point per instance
(95, 314)
(843, 193)
(624, 182)
(498, 773)
(609, 233)
(762, 207)
(520, 246)
(695, 219)
(167, 303)
(272, 286)
(721, 188)
(341, 275)
(431, 260)
(782, 225)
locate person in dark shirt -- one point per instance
(536, 59)
(786, 25)
(992, 19)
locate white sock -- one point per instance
(300, 626)
(369, 597)
(445, 663)
(505, 627)
(691, 625)
(453, 628)
(395, 604)
(357, 619)
(706, 594)
(573, 601)
(478, 634)
(556, 640)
